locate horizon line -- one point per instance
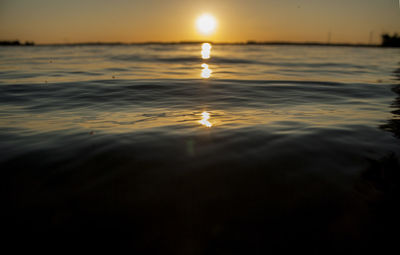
(248, 42)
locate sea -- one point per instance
(199, 149)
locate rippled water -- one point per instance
(162, 149)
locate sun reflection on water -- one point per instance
(204, 121)
(206, 72)
(205, 54)
(205, 50)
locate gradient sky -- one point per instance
(67, 21)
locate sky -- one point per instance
(72, 21)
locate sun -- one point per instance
(206, 24)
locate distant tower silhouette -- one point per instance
(329, 37)
(371, 36)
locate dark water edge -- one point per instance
(228, 208)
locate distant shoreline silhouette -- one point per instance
(387, 41)
(12, 43)
(16, 43)
(391, 41)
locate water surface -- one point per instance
(162, 149)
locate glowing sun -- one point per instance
(206, 24)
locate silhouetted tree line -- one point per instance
(391, 41)
(387, 41)
(16, 43)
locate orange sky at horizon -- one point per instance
(59, 21)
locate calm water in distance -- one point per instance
(184, 149)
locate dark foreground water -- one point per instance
(154, 150)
